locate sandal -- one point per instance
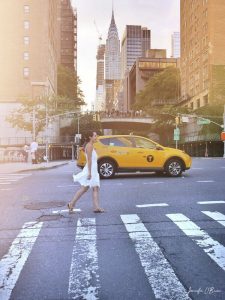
(70, 207)
(98, 210)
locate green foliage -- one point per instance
(85, 124)
(164, 85)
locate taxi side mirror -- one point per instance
(159, 148)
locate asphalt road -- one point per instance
(160, 237)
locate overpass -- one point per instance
(121, 122)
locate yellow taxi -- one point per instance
(129, 153)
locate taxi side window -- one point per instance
(117, 142)
(142, 143)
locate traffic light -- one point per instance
(177, 120)
(94, 117)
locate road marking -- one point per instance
(205, 181)
(17, 174)
(12, 263)
(161, 276)
(217, 216)
(9, 179)
(69, 185)
(210, 202)
(64, 210)
(212, 248)
(2, 183)
(153, 204)
(197, 168)
(156, 182)
(5, 189)
(84, 278)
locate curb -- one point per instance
(42, 168)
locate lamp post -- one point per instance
(224, 130)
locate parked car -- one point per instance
(129, 153)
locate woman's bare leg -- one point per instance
(77, 196)
(95, 196)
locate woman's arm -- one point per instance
(89, 149)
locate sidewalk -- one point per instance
(22, 167)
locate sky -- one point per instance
(162, 17)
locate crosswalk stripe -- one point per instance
(211, 202)
(161, 276)
(151, 205)
(217, 216)
(211, 247)
(84, 277)
(12, 263)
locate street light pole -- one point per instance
(224, 130)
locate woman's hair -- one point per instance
(87, 136)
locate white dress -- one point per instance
(82, 176)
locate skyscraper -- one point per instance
(202, 51)
(99, 101)
(68, 35)
(175, 41)
(112, 52)
(112, 66)
(136, 40)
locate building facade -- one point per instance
(175, 45)
(202, 51)
(29, 37)
(99, 100)
(68, 35)
(136, 41)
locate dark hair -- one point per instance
(86, 137)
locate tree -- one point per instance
(164, 85)
(69, 98)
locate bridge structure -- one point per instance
(121, 122)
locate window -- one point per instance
(206, 101)
(26, 40)
(118, 142)
(25, 72)
(26, 56)
(26, 9)
(26, 24)
(198, 103)
(143, 143)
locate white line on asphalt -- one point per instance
(197, 168)
(21, 175)
(153, 204)
(210, 202)
(161, 276)
(12, 263)
(68, 185)
(211, 247)
(217, 216)
(205, 181)
(9, 179)
(2, 183)
(5, 189)
(84, 278)
(154, 182)
(65, 210)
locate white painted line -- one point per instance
(2, 183)
(64, 210)
(154, 182)
(5, 189)
(205, 181)
(12, 263)
(161, 276)
(214, 249)
(84, 278)
(217, 216)
(197, 168)
(17, 174)
(210, 202)
(9, 179)
(152, 205)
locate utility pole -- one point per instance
(224, 130)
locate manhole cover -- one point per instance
(43, 205)
(49, 218)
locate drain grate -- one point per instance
(49, 218)
(44, 205)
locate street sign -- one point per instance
(185, 119)
(203, 121)
(176, 134)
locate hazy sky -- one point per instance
(161, 16)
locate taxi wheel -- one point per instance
(174, 167)
(106, 168)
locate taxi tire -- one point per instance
(174, 167)
(110, 164)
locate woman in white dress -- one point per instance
(89, 176)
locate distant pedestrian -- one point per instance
(26, 152)
(89, 176)
(33, 151)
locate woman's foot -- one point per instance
(70, 207)
(98, 210)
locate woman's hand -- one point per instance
(89, 176)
